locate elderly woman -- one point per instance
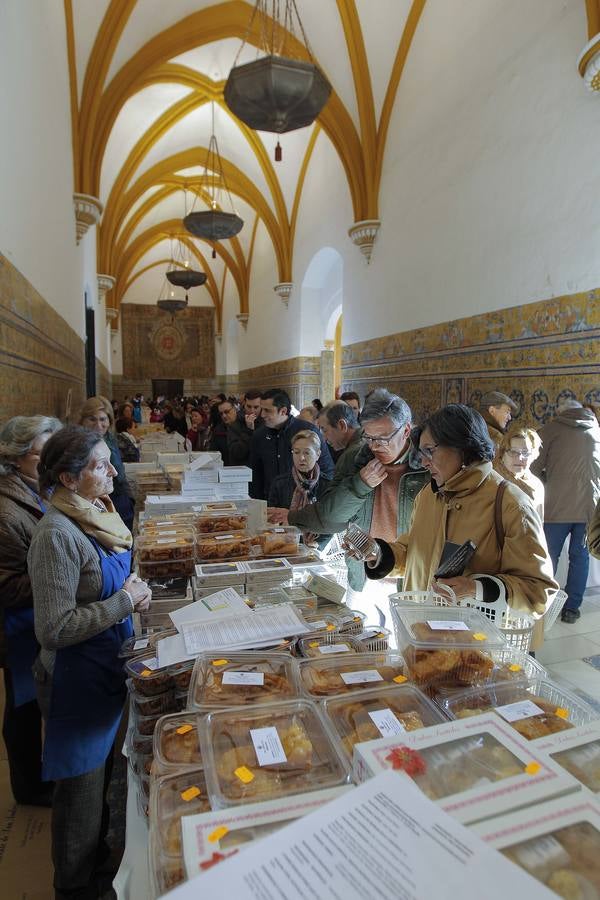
(83, 595)
(21, 508)
(96, 414)
(303, 484)
(127, 444)
(517, 449)
(468, 500)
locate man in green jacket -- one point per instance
(374, 483)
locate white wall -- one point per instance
(37, 222)
(490, 183)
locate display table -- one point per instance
(132, 881)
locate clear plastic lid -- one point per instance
(322, 621)
(136, 645)
(340, 675)
(168, 568)
(152, 548)
(322, 645)
(564, 859)
(352, 621)
(536, 709)
(169, 588)
(146, 724)
(181, 674)
(221, 520)
(582, 762)
(297, 593)
(146, 676)
(223, 546)
(279, 540)
(380, 712)
(456, 766)
(176, 742)
(237, 679)
(166, 528)
(171, 797)
(268, 751)
(157, 704)
(508, 665)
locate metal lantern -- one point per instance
(213, 224)
(277, 94)
(172, 305)
(186, 278)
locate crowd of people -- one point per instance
(67, 589)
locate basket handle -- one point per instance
(499, 606)
(448, 590)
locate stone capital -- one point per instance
(88, 210)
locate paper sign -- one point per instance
(437, 625)
(267, 746)
(257, 678)
(334, 648)
(266, 624)
(361, 677)
(512, 712)
(141, 644)
(386, 722)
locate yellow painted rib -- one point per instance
(72, 62)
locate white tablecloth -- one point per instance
(132, 881)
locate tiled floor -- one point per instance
(566, 646)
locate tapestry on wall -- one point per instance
(157, 345)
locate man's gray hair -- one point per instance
(568, 403)
(18, 435)
(380, 403)
(338, 411)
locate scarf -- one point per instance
(305, 484)
(107, 527)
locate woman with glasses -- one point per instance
(518, 448)
(303, 484)
(468, 500)
(97, 415)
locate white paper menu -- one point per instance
(269, 624)
(385, 840)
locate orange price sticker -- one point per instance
(561, 712)
(145, 672)
(314, 644)
(244, 774)
(190, 793)
(532, 768)
(479, 636)
(330, 628)
(400, 679)
(357, 619)
(220, 662)
(183, 729)
(218, 833)
(515, 668)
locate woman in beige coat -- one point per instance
(468, 500)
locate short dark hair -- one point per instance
(69, 450)
(338, 411)
(317, 404)
(122, 424)
(460, 427)
(350, 395)
(279, 397)
(253, 394)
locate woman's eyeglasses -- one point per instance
(520, 454)
(427, 452)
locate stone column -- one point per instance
(327, 373)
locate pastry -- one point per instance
(275, 686)
(545, 723)
(322, 681)
(447, 664)
(178, 747)
(231, 522)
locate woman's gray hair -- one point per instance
(18, 435)
(380, 403)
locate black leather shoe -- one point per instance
(569, 616)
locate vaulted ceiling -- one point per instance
(147, 76)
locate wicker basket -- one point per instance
(554, 610)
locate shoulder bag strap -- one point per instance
(498, 514)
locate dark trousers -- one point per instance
(80, 820)
(579, 558)
(22, 733)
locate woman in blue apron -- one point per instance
(84, 594)
(21, 442)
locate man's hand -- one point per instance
(373, 473)
(250, 419)
(276, 515)
(462, 585)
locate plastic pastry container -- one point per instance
(168, 568)
(223, 546)
(279, 541)
(372, 637)
(171, 798)
(146, 724)
(237, 679)
(338, 675)
(268, 751)
(352, 621)
(509, 666)
(446, 644)
(145, 675)
(578, 753)
(152, 548)
(176, 743)
(154, 705)
(380, 712)
(536, 709)
(223, 521)
(134, 646)
(181, 674)
(322, 621)
(140, 743)
(323, 645)
(300, 595)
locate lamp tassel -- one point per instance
(278, 152)
(214, 253)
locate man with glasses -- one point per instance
(375, 483)
(237, 434)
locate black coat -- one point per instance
(271, 454)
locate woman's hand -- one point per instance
(277, 515)
(140, 593)
(373, 473)
(462, 585)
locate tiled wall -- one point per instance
(536, 353)
(103, 380)
(42, 360)
(299, 376)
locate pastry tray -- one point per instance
(343, 675)
(242, 678)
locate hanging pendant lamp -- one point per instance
(214, 224)
(276, 92)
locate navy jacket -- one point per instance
(271, 455)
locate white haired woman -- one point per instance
(21, 508)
